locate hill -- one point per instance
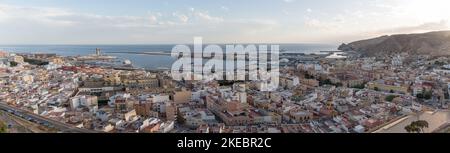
(431, 43)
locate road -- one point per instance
(55, 124)
(13, 126)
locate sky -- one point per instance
(217, 21)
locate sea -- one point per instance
(139, 60)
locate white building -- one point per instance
(96, 90)
(167, 126)
(85, 100)
(52, 66)
(448, 86)
(160, 98)
(28, 79)
(149, 122)
(16, 58)
(196, 95)
(397, 61)
(108, 128)
(359, 129)
(112, 99)
(102, 115)
(129, 116)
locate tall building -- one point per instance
(182, 96)
(88, 101)
(143, 108)
(171, 112)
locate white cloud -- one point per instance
(205, 16)
(61, 17)
(183, 18)
(224, 8)
(55, 25)
(153, 19)
(36, 14)
(289, 1)
(425, 27)
(320, 25)
(36, 24)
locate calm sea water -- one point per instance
(143, 61)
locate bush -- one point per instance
(325, 82)
(328, 82)
(360, 86)
(296, 98)
(3, 127)
(13, 64)
(307, 76)
(35, 61)
(427, 95)
(390, 98)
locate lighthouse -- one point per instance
(97, 51)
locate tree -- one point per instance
(308, 76)
(296, 98)
(360, 86)
(376, 89)
(426, 95)
(421, 124)
(390, 98)
(3, 127)
(420, 96)
(329, 82)
(36, 61)
(412, 129)
(417, 126)
(13, 64)
(325, 82)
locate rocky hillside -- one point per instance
(432, 43)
